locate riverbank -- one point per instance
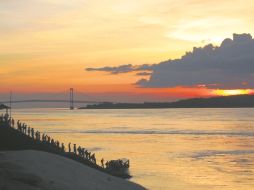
(31, 170)
(12, 139)
(26, 163)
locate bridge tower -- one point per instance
(71, 99)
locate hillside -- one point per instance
(239, 101)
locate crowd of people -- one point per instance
(45, 139)
(76, 152)
(6, 120)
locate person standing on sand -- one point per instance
(69, 145)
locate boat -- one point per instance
(119, 167)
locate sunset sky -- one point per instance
(47, 45)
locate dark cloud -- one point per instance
(231, 65)
(123, 68)
(114, 70)
(144, 74)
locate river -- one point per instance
(168, 148)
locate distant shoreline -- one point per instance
(158, 108)
(238, 101)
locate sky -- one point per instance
(48, 46)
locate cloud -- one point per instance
(231, 65)
(123, 69)
(228, 66)
(144, 74)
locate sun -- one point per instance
(232, 92)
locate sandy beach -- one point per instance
(32, 170)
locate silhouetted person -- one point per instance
(127, 163)
(86, 154)
(52, 142)
(120, 162)
(18, 123)
(75, 149)
(19, 126)
(63, 147)
(36, 135)
(58, 144)
(32, 131)
(79, 151)
(43, 137)
(23, 127)
(69, 146)
(93, 159)
(83, 152)
(102, 162)
(29, 131)
(12, 122)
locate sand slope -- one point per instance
(32, 170)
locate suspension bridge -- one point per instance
(69, 100)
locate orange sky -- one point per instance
(47, 44)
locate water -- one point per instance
(167, 148)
